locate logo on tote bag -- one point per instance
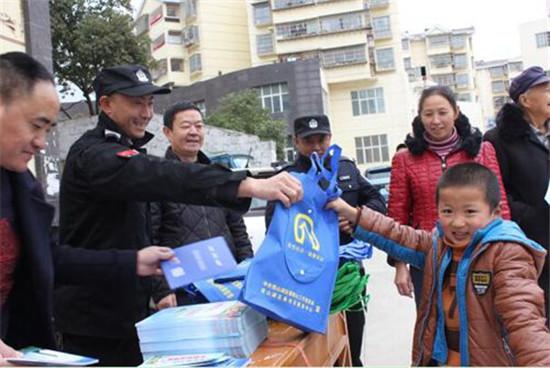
(303, 226)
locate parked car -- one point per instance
(379, 177)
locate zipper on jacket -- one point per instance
(428, 310)
(206, 220)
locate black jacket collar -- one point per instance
(470, 137)
(201, 157)
(106, 123)
(511, 122)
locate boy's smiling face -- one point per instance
(462, 210)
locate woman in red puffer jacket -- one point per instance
(442, 137)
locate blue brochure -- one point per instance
(198, 261)
(33, 356)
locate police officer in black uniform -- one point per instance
(312, 134)
(106, 186)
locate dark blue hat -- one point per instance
(312, 124)
(129, 80)
(529, 78)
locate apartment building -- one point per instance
(363, 81)
(195, 40)
(493, 80)
(535, 43)
(444, 57)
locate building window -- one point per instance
(462, 80)
(440, 60)
(343, 56)
(190, 8)
(299, 29)
(190, 35)
(274, 97)
(384, 59)
(405, 44)
(543, 39)
(262, 14)
(290, 152)
(438, 41)
(515, 67)
(202, 106)
(407, 63)
(264, 44)
(458, 41)
(460, 61)
(342, 22)
(174, 38)
(381, 27)
(466, 97)
(414, 73)
(155, 16)
(282, 4)
(195, 64)
(158, 42)
(497, 72)
(498, 87)
(172, 13)
(176, 65)
(368, 101)
(444, 79)
(373, 4)
(142, 24)
(372, 148)
(160, 70)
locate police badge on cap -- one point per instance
(309, 125)
(129, 80)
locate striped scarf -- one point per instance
(444, 147)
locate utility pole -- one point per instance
(39, 44)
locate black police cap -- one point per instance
(129, 80)
(312, 124)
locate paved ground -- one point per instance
(390, 318)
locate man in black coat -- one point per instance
(28, 257)
(312, 134)
(107, 184)
(522, 142)
(176, 224)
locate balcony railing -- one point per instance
(285, 4)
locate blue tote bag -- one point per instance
(292, 276)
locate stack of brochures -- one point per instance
(195, 360)
(224, 327)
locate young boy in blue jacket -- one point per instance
(481, 304)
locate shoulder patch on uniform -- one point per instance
(481, 281)
(127, 153)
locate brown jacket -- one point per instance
(501, 307)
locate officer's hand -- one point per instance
(281, 187)
(148, 260)
(344, 210)
(7, 351)
(169, 301)
(403, 280)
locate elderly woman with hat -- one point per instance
(522, 142)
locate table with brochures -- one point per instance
(288, 346)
